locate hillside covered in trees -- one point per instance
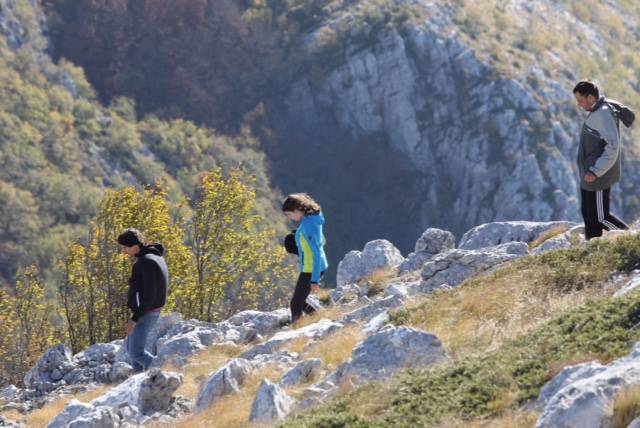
(61, 148)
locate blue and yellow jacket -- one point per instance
(310, 241)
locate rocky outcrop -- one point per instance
(225, 381)
(302, 372)
(376, 255)
(453, 267)
(582, 395)
(141, 398)
(492, 234)
(314, 331)
(379, 357)
(271, 404)
(431, 242)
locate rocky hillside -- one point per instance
(396, 114)
(454, 106)
(523, 323)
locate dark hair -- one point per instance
(302, 202)
(131, 237)
(586, 88)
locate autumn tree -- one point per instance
(94, 291)
(26, 326)
(236, 265)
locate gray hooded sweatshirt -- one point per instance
(599, 150)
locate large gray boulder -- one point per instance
(271, 404)
(148, 391)
(377, 358)
(453, 267)
(156, 390)
(96, 417)
(414, 261)
(431, 242)
(301, 373)
(73, 410)
(227, 380)
(492, 234)
(390, 350)
(435, 241)
(376, 255)
(133, 402)
(582, 395)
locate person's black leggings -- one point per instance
(596, 215)
(299, 300)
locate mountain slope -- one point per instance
(394, 114)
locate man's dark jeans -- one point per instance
(142, 359)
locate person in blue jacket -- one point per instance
(300, 207)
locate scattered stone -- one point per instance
(376, 255)
(301, 373)
(271, 404)
(226, 380)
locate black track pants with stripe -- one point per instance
(596, 215)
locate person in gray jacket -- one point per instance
(598, 160)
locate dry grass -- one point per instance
(296, 345)
(334, 313)
(202, 365)
(12, 415)
(626, 406)
(509, 419)
(232, 411)
(324, 296)
(42, 417)
(378, 281)
(486, 311)
(551, 233)
(336, 348)
(557, 366)
(371, 400)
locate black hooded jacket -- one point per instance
(149, 281)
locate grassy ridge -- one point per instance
(489, 384)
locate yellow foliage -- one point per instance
(26, 327)
(229, 265)
(96, 273)
(235, 265)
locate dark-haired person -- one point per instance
(309, 238)
(147, 293)
(598, 160)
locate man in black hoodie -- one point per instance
(147, 293)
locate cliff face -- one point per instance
(395, 114)
(475, 143)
